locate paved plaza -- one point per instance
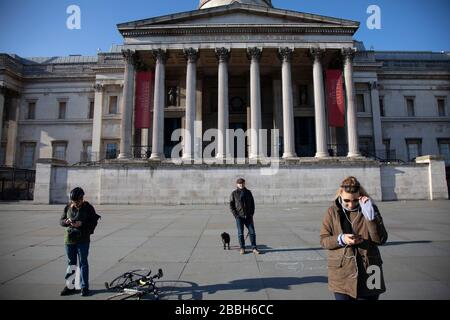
(185, 242)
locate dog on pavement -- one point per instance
(225, 240)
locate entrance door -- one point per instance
(170, 124)
(305, 136)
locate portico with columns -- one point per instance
(230, 66)
(225, 64)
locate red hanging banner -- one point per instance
(144, 99)
(335, 98)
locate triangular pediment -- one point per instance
(238, 14)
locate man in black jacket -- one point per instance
(242, 206)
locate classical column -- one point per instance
(285, 55)
(223, 55)
(376, 119)
(11, 144)
(198, 127)
(97, 123)
(319, 103)
(352, 125)
(127, 104)
(255, 102)
(2, 106)
(277, 113)
(191, 91)
(160, 57)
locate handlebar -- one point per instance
(158, 275)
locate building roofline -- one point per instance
(235, 7)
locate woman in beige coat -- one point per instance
(352, 230)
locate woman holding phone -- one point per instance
(352, 230)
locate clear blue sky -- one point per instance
(38, 27)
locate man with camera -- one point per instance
(77, 220)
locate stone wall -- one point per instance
(404, 182)
(313, 181)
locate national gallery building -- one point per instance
(299, 84)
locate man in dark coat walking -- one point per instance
(242, 206)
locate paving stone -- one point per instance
(185, 242)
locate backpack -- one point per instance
(91, 219)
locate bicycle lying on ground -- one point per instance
(134, 284)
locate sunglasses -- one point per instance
(350, 200)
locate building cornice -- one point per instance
(237, 29)
(413, 75)
(115, 69)
(188, 16)
(415, 119)
(61, 122)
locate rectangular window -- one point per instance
(441, 107)
(414, 148)
(113, 105)
(111, 150)
(27, 154)
(8, 110)
(62, 110)
(31, 111)
(444, 150)
(59, 150)
(410, 107)
(87, 152)
(91, 109)
(382, 112)
(2, 154)
(360, 107)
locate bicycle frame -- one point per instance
(134, 284)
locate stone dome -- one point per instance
(204, 4)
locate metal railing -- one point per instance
(16, 184)
(95, 157)
(141, 152)
(334, 150)
(382, 155)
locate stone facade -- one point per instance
(228, 65)
(303, 182)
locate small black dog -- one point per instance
(225, 240)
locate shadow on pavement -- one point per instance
(266, 249)
(396, 243)
(187, 290)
